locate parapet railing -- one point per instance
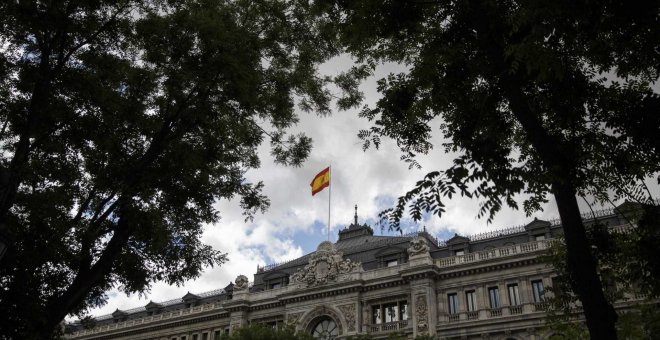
(387, 326)
(148, 319)
(521, 228)
(483, 255)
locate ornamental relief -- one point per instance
(241, 283)
(349, 315)
(418, 246)
(421, 312)
(292, 318)
(326, 265)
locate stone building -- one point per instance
(487, 286)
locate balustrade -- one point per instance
(493, 253)
(388, 326)
(540, 306)
(495, 312)
(514, 310)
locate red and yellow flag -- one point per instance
(321, 181)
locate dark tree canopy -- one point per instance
(122, 123)
(539, 98)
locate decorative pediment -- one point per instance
(537, 225)
(152, 306)
(326, 265)
(457, 239)
(119, 314)
(190, 297)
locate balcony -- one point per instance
(495, 312)
(514, 310)
(516, 249)
(388, 327)
(540, 306)
(491, 313)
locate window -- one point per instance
(494, 297)
(326, 330)
(459, 252)
(216, 335)
(391, 263)
(183, 337)
(375, 315)
(195, 337)
(390, 312)
(205, 336)
(537, 290)
(275, 285)
(514, 295)
(539, 237)
(471, 300)
(452, 303)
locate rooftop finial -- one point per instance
(356, 215)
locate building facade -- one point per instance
(487, 286)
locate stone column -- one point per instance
(423, 304)
(482, 301)
(237, 319)
(424, 307)
(238, 305)
(526, 295)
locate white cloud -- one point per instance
(291, 226)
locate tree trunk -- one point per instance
(556, 156)
(582, 266)
(57, 309)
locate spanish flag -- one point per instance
(321, 181)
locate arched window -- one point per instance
(326, 329)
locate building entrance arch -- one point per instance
(325, 329)
(323, 323)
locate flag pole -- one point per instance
(329, 198)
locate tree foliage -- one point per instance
(626, 267)
(537, 98)
(122, 123)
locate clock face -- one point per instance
(325, 330)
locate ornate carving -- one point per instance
(418, 246)
(292, 318)
(325, 265)
(421, 313)
(241, 282)
(349, 315)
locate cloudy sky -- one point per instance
(295, 223)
